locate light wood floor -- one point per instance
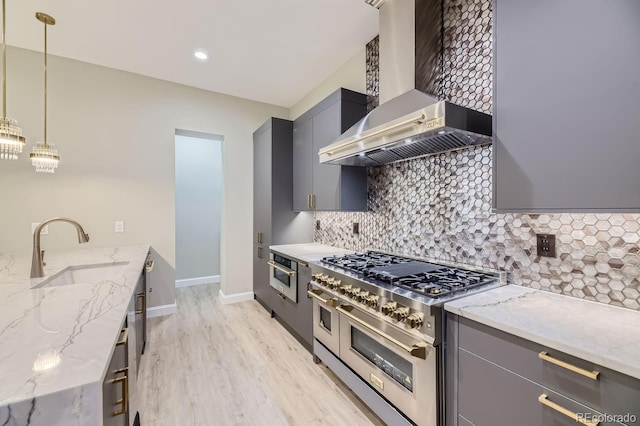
(214, 364)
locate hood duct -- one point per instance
(411, 121)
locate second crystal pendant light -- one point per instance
(44, 156)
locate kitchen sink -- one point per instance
(85, 274)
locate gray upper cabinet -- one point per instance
(274, 221)
(566, 90)
(327, 187)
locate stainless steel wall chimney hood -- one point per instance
(409, 122)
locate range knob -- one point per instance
(362, 296)
(372, 301)
(329, 282)
(389, 307)
(318, 278)
(401, 313)
(414, 320)
(335, 284)
(353, 293)
(344, 288)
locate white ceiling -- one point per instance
(273, 51)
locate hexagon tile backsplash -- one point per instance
(440, 207)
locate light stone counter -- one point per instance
(56, 342)
(603, 334)
(308, 252)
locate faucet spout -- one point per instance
(37, 270)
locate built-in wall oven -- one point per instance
(377, 323)
(284, 276)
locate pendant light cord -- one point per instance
(4, 62)
(45, 84)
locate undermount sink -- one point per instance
(85, 274)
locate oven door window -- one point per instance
(281, 276)
(325, 318)
(396, 367)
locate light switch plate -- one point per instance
(45, 230)
(119, 226)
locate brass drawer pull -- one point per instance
(590, 374)
(125, 337)
(544, 400)
(124, 382)
(316, 295)
(142, 296)
(289, 272)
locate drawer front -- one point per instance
(490, 395)
(612, 393)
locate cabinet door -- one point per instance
(261, 287)
(141, 317)
(566, 87)
(262, 157)
(115, 404)
(302, 164)
(326, 177)
(304, 320)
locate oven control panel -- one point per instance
(412, 319)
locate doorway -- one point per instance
(198, 179)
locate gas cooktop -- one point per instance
(426, 279)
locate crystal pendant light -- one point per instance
(11, 139)
(44, 156)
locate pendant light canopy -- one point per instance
(11, 139)
(44, 156)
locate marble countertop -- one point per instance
(310, 252)
(603, 334)
(55, 339)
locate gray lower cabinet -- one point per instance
(327, 187)
(566, 90)
(115, 387)
(495, 378)
(297, 317)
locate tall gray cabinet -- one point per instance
(566, 90)
(327, 187)
(274, 221)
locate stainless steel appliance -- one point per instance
(377, 323)
(412, 119)
(284, 276)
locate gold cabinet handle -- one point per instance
(316, 295)
(544, 400)
(150, 264)
(259, 237)
(124, 382)
(309, 200)
(418, 350)
(289, 272)
(125, 336)
(590, 374)
(259, 252)
(313, 201)
(142, 296)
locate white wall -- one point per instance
(351, 75)
(115, 132)
(198, 206)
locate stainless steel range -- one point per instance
(377, 323)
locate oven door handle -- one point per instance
(316, 295)
(287, 271)
(418, 350)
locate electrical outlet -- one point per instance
(119, 225)
(546, 245)
(45, 230)
(356, 228)
(317, 225)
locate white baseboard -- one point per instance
(235, 298)
(162, 310)
(198, 281)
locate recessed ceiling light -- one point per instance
(201, 55)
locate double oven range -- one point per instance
(378, 324)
